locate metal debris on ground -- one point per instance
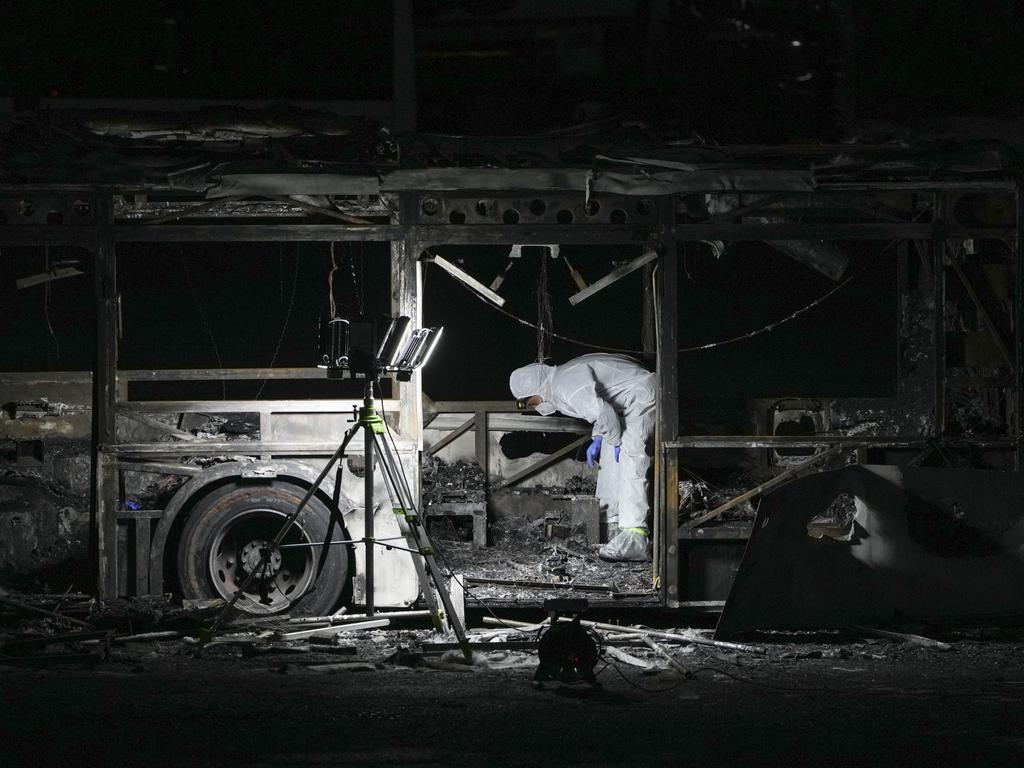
(907, 637)
(524, 566)
(135, 635)
(461, 481)
(697, 497)
(578, 485)
(686, 636)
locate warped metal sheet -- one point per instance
(918, 544)
(457, 179)
(578, 179)
(252, 184)
(718, 180)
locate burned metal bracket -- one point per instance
(547, 461)
(986, 318)
(614, 276)
(776, 481)
(451, 436)
(194, 209)
(317, 210)
(575, 275)
(57, 273)
(148, 421)
(466, 278)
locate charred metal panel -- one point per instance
(43, 527)
(881, 544)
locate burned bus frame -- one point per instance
(481, 207)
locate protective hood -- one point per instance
(534, 379)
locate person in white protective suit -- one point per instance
(617, 396)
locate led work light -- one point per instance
(351, 345)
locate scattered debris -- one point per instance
(620, 655)
(524, 566)
(144, 637)
(664, 654)
(344, 666)
(461, 481)
(129, 636)
(572, 585)
(689, 637)
(918, 640)
(578, 485)
(51, 614)
(333, 630)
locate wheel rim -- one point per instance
(237, 550)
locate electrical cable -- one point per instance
(358, 292)
(639, 687)
(206, 323)
(699, 347)
(330, 284)
(46, 299)
(446, 569)
(691, 674)
(758, 683)
(770, 327)
(287, 318)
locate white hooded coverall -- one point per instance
(616, 395)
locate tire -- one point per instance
(221, 543)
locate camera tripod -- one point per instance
(376, 447)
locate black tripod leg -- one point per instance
(265, 555)
(335, 518)
(424, 561)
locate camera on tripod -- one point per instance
(353, 346)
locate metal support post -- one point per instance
(368, 532)
(647, 328)
(667, 532)
(1017, 427)
(104, 519)
(939, 318)
(480, 433)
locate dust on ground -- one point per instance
(522, 550)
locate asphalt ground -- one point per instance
(864, 703)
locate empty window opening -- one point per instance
(519, 445)
(836, 521)
(802, 425)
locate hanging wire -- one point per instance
(206, 323)
(545, 321)
(771, 326)
(357, 290)
(330, 283)
(287, 317)
(699, 347)
(280, 273)
(46, 299)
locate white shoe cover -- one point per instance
(628, 545)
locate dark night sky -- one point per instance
(734, 70)
(728, 70)
(245, 291)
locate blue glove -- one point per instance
(617, 447)
(594, 451)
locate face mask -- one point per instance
(545, 408)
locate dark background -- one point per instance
(749, 71)
(236, 305)
(733, 70)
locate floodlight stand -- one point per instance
(403, 504)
